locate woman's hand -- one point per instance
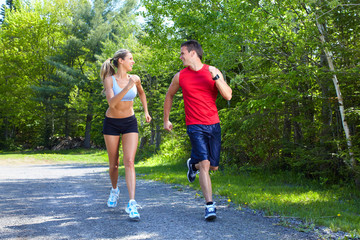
(147, 117)
(133, 79)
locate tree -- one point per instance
(328, 54)
(27, 36)
(90, 28)
(271, 53)
(9, 4)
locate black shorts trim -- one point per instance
(117, 126)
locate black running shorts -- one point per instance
(117, 126)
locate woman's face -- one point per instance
(127, 62)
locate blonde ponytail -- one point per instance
(107, 69)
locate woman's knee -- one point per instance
(129, 163)
(113, 167)
(113, 163)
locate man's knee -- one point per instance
(204, 166)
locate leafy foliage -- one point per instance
(284, 114)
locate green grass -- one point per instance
(90, 156)
(277, 195)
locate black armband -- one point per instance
(216, 77)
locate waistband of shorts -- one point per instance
(131, 117)
(203, 125)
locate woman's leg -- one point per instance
(112, 147)
(129, 145)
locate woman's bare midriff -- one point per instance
(122, 110)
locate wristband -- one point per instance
(216, 77)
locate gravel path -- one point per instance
(69, 202)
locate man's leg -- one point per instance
(205, 183)
(204, 179)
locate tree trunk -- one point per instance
(286, 152)
(298, 136)
(287, 126)
(47, 131)
(6, 129)
(143, 141)
(158, 137)
(67, 127)
(153, 132)
(338, 94)
(89, 118)
(326, 134)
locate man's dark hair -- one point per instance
(193, 45)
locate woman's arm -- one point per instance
(142, 97)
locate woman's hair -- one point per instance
(108, 67)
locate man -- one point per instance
(200, 85)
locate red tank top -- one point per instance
(199, 93)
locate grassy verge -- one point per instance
(282, 195)
(89, 156)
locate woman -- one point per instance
(120, 89)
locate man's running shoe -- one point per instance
(131, 209)
(114, 196)
(191, 174)
(210, 212)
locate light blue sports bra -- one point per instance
(129, 96)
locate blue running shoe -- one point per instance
(210, 212)
(114, 196)
(131, 209)
(191, 174)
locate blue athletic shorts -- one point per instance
(205, 142)
(117, 126)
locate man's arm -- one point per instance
(221, 85)
(173, 88)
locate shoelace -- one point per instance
(113, 196)
(211, 208)
(134, 207)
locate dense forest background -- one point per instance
(294, 68)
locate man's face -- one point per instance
(185, 55)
